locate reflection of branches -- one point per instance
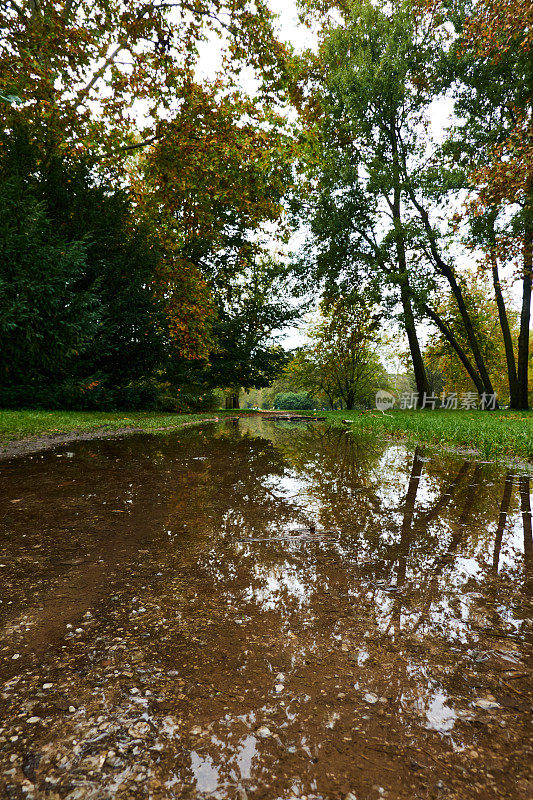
(443, 499)
(422, 521)
(405, 539)
(445, 559)
(525, 504)
(408, 513)
(502, 519)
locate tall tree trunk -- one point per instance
(507, 338)
(525, 317)
(448, 334)
(422, 386)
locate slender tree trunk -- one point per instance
(447, 333)
(447, 272)
(507, 338)
(525, 317)
(422, 386)
(421, 380)
(469, 328)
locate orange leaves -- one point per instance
(497, 25)
(213, 160)
(95, 60)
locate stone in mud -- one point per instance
(139, 729)
(370, 697)
(485, 704)
(263, 732)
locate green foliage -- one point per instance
(79, 320)
(341, 362)
(293, 400)
(46, 318)
(252, 304)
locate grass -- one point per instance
(492, 434)
(21, 424)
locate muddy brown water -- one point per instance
(263, 610)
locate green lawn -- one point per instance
(19, 424)
(490, 433)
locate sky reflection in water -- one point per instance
(264, 610)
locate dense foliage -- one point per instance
(132, 204)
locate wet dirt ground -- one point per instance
(263, 610)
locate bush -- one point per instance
(294, 400)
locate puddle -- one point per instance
(263, 610)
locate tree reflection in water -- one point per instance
(379, 656)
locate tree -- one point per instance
(99, 77)
(249, 312)
(77, 278)
(294, 401)
(378, 186)
(44, 319)
(360, 104)
(341, 360)
(490, 66)
(96, 84)
(214, 183)
(484, 314)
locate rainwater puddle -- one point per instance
(258, 610)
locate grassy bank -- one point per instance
(492, 434)
(495, 434)
(21, 424)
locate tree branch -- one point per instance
(17, 8)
